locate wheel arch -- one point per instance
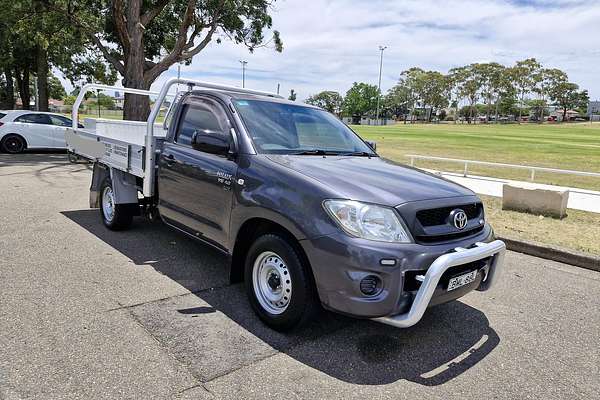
(14, 134)
(249, 231)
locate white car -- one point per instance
(24, 129)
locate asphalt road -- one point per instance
(86, 313)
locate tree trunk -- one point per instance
(521, 107)
(136, 107)
(9, 102)
(471, 115)
(564, 113)
(497, 104)
(22, 78)
(42, 78)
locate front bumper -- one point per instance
(340, 262)
(494, 251)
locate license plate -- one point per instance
(461, 280)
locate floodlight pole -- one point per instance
(243, 62)
(381, 49)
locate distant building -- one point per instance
(594, 110)
(119, 101)
(559, 112)
(55, 105)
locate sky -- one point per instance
(329, 44)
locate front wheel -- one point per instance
(114, 216)
(279, 285)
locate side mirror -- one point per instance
(210, 143)
(372, 144)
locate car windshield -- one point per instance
(278, 128)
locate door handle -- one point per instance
(170, 160)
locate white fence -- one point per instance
(532, 169)
(369, 121)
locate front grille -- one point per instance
(448, 236)
(439, 216)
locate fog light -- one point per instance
(370, 285)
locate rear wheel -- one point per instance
(279, 284)
(13, 144)
(114, 216)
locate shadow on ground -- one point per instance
(214, 331)
(34, 157)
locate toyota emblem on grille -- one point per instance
(459, 218)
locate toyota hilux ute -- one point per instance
(307, 212)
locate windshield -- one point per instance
(278, 128)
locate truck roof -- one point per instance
(232, 95)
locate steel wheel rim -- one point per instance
(108, 203)
(272, 282)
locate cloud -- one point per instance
(328, 44)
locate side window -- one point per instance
(60, 121)
(34, 119)
(204, 117)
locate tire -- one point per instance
(13, 144)
(73, 158)
(115, 217)
(279, 284)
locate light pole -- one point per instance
(381, 49)
(243, 62)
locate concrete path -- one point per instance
(579, 199)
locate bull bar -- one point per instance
(494, 250)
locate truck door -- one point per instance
(195, 178)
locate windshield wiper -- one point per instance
(358, 154)
(314, 152)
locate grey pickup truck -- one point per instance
(306, 211)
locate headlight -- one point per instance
(368, 221)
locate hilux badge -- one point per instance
(459, 218)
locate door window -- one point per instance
(204, 117)
(60, 120)
(34, 119)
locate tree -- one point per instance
(361, 99)
(456, 77)
(411, 79)
(398, 100)
(142, 39)
(32, 40)
(435, 88)
(546, 78)
(69, 100)
(55, 88)
(583, 102)
(491, 78)
(327, 100)
(106, 101)
(525, 75)
(292, 95)
(567, 96)
(468, 82)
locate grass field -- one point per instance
(568, 146)
(578, 231)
